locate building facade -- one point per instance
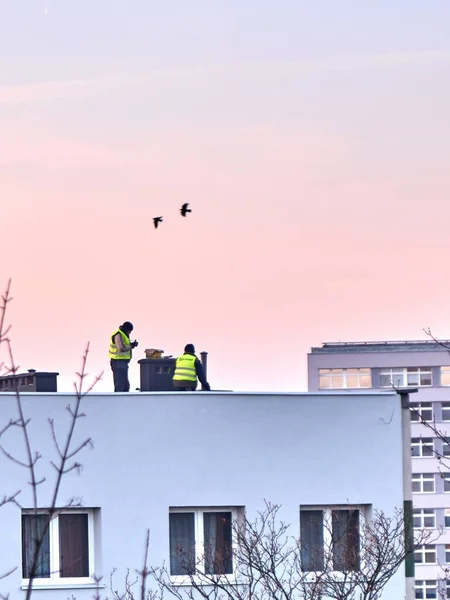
(183, 465)
(418, 364)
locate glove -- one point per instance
(134, 344)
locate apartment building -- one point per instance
(354, 366)
(186, 466)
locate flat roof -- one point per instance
(382, 346)
(28, 374)
(359, 392)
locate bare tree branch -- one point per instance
(66, 452)
(439, 342)
(356, 561)
(5, 300)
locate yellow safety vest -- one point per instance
(185, 368)
(114, 350)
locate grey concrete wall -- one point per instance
(154, 451)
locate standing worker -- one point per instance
(188, 368)
(120, 348)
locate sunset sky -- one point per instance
(312, 139)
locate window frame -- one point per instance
(422, 516)
(199, 540)
(425, 585)
(444, 370)
(343, 372)
(327, 532)
(418, 408)
(55, 580)
(422, 478)
(422, 443)
(446, 478)
(446, 448)
(423, 551)
(404, 371)
(446, 515)
(445, 408)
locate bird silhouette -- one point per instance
(184, 209)
(157, 221)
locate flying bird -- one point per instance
(184, 209)
(157, 221)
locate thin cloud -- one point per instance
(53, 90)
(332, 63)
(27, 149)
(37, 92)
(349, 62)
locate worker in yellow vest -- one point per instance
(188, 368)
(120, 348)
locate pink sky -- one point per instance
(320, 193)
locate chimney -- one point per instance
(204, 361)
(156, 371)
(32, 381)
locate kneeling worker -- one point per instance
(120, 348)
(188, 368)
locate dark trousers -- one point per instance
(184, 385)
(120, 374)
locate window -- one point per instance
(66, 554)
(201, 540)
(425, 590)
(422, 412)
(422, 447)
(424, 518)
(446, 411)
(445, 375)
(407, 376)
(330, 534)
(447, 553)
(425, 555)
(447, 517)
(446, 478)
(330, 379)
(423, 483)
(446, 448)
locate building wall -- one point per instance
(161, 450)
(435, 394)
(439, 500)
(336, 360)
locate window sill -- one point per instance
(314, 576)
(64, 586)
(432, 456)
(180, 581)
(387, 387)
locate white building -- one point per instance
(425, 365)
(167, 461)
